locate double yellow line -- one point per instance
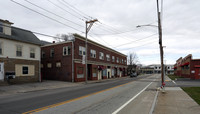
(68, 101)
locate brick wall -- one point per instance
(9, 65)
(64, 72)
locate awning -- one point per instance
(185, 64)
(196, 65)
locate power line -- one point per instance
(44, 15)
(77, 9)
(52, 13)
(66, 10)
(136, 40)
(71, 8)
(149, 43)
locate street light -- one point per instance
(161, 49)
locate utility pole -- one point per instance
(160, 43)
(87, 29)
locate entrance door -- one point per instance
(197, 73)
(1, 71)
(99, 75)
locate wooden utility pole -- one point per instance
(160, 43)
(91, 22)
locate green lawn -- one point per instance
(172, 77)
(193, 92)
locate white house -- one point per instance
(19, 54)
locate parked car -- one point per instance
(133, 74)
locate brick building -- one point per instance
(19, 54)
(64, 61)
(187, 67)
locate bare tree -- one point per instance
(63, 37)
(133, 60)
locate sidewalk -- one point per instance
(175, 101)
(45, 85)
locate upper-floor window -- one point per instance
(18, 50)
(66, 50)
(43, 54)
(108, 57)
(113, 58)
(52, 52)
(101, 55)
(32, 53)
(1, 48)
(1, 27)
(81, 50)
(122, 61)
(117, 60)
(92, 53)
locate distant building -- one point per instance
(66, 61)
(19, 54)
(156, 69)
(187, 67)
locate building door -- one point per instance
(99, 75)
(197, 73)
(2, 71)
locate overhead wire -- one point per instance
(45, 16)
(71, 8)
(52, 13)
(65, 10)
(77, 9)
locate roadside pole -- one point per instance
(161, 47)
(91, 22)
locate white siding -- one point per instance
(9, 49)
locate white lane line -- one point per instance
(154, 103)
(174, 82)
(120, 108)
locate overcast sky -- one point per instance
(117, 24)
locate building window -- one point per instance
(58, 64)
(25, 70)
(101, 55)
(113, 58)
(92, 53)
(1, 48)
(19, 51)
(43, 54)
(117, 60)
(108, 57)
(1, 27)
(125, 61)
(52, 52)
(32, 53)
(66, 50)
(122, 61)
(49, 65)
(81, 50)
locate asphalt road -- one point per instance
(16, 104)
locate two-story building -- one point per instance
(187, 67)
(66, 61)
(19, 53)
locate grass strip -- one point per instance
(193, 92)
